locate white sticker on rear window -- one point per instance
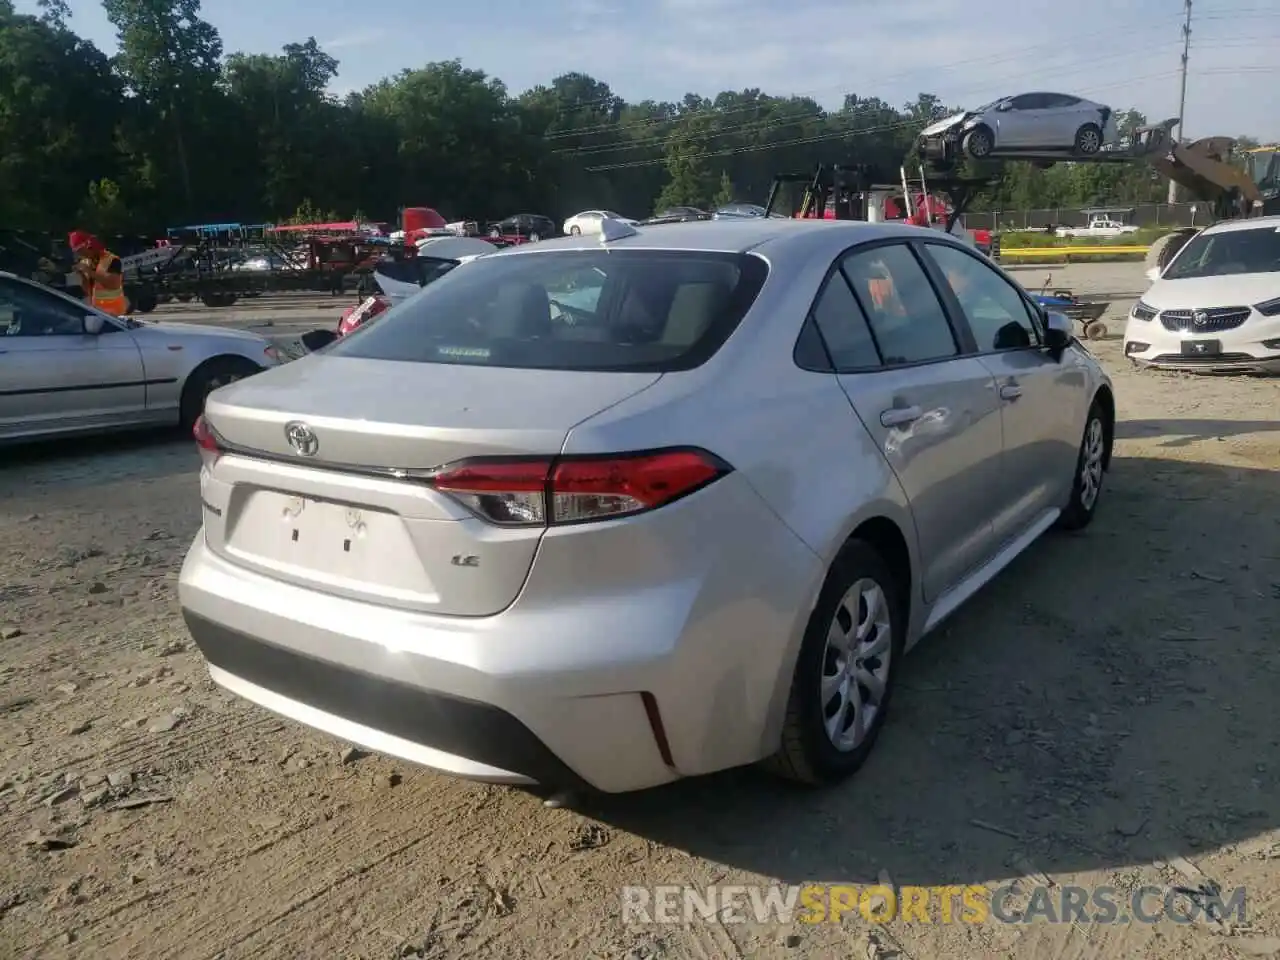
(463, 353)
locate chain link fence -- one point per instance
(1171, 215)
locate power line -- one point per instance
(1023, 53)
(763, 124)
(843, 134)
(1233, 14)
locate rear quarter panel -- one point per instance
(792, 436)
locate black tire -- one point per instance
(1088, 140)
(206, 378)
(807, 753)
(315, 340)
(1167, 247)
(979, 142)
(217, 298)
(142, 300)
(1094, 446)
(575, 230)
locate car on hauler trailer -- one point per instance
(690, 522)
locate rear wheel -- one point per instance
(142, 300)
(575, 230)
(1088, 140)
(844, 674)
(1086, 485)
(979, 142)
(1095, 330)
(218, 299)
(205, 379)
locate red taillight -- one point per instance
(542, 491)
(207, 441)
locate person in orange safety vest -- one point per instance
(101, 275)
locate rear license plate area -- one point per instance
(326, 541)
(1201, 348)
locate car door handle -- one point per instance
(900, 416)
(1010, 391)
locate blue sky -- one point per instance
(1122, 52)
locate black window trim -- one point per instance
(952, 302)
(961, 335)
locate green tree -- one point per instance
(59, 108)
(171, 59)
(170, 131)
(725, 192)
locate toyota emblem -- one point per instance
(1200, 318)
(301, 438)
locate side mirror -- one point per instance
(1057, 334)
(92, 324)
(1153, 274)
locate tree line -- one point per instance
(173, 130)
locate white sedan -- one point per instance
(1216, 306)
(588, 221)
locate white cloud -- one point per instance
(357, 38)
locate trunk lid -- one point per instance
(332, 521)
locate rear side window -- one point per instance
(844, 328)
(641, 310)
(906, 317)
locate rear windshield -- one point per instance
(1255, 250)
(640, 310)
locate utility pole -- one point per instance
(1182, 98)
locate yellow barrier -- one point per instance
(1067, 251)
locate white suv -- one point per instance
(1216, 307)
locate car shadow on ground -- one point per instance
(144, 454)
(1183, 433)
(1108, 701)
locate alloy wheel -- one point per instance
(855, 664)
(1091, 463)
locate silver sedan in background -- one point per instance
(1039, 126)
(610, 512)
(66, 368)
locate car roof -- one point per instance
(758, 234)
(1248, 223)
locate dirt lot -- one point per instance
(1105, 713)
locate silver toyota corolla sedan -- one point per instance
(605, 513)
(66, 368)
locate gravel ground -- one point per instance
(1104, 713)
